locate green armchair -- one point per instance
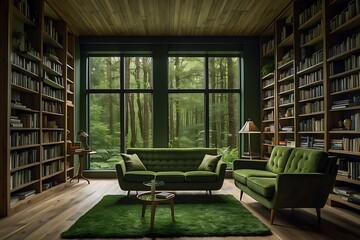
(291, 178)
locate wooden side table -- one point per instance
(147, 199)
(81, 154)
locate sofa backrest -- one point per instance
(172, 159)
(278, 159)
(304, 160)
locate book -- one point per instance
(25, 194)
(164, 195)
(345, 190)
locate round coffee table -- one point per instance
(147, 199)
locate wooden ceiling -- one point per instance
(168, 17)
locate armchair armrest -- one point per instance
(306, 190)
(221, 168)
(249, 164)
(120, 170)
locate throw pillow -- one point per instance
(209, 163)
(133, 162)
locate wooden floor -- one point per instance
(48, 219)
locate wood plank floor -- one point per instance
(48, 219)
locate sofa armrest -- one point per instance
(120, 171)
(306, 190)
(249, 164)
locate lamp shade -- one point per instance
(82, 133)
(249, 127)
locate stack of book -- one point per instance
(348, 193)
(342, 104)
(15, 121)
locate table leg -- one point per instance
(80, 171)
(172, 210)
(143, 210)
(153, 210)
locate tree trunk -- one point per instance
(231, 112)
(146, 106)
(138, 96)
(177, 110)
(213, 102)
(109, 69)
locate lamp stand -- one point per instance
(249, 147)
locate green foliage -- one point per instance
(229, 155)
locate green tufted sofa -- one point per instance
(291, 178)
(177, 167)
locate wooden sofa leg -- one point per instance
(128, 194)
(241, 194)
(272, 216)
(318, 213)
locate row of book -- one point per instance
(20, 177)
(309, 12)
(346, 83)
(268, 46)
(25, 81)
(312, 124)
(312, 107)
(346, 144)
(21, 158)
(53, 65)
(53, 136)
(311, 34)
(350, 42)
(26, 120)
(316, 57)
(313, 92)
(55, 93)
(287, 100)
(286, 87)
(24, 138)
(52, 167)
(56, 79)
(26, 9)
(21, 196)
(24, 63)
(287, 57)
(268, 82)
(352, 10)
(348, 64)
(49, 27)
(53, 107)
(52, 152)
(269, 93)
(311, 78)
(348, 193)
(287, 73)
(269, 103)
(349, 168)
(312, 142)
(269, 116)
(344, 103)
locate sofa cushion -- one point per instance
(133, 162)
(139, 176)
(172, 176)
(241, 175)
(303, 160)
(263, 186)
(278, 159)
(200, 176)
(209, 162)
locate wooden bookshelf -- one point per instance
(34, 123)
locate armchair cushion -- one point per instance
(133, 162)
(209, 162)
(304, 160)
(263, 186)
(278, 159)
(241, 175)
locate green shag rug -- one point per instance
(195, 216)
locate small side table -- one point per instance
(81, 154)
(147, 199)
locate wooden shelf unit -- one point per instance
(323, 89)
(34, 96)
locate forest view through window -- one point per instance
(203, 96)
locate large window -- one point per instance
(204, 103)
(199, 101)
(120, 107)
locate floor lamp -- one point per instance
(249, 128)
